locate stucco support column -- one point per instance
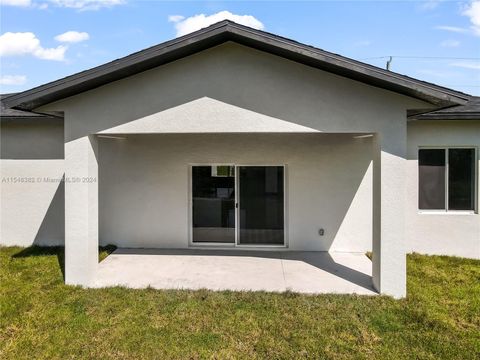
(81, 211)
(389, 203)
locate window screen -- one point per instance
(461, 179)
(431, 181)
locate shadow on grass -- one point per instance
(59, 252)
(104, 251)
(35, 250)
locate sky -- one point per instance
(434, 40)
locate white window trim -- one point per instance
(446, 211)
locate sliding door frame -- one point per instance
(236, 244)
(237, 207)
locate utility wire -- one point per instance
(422, 57)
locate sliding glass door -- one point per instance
(241, 205)
(261, 205)
(213, 204)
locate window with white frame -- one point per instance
(446, 179)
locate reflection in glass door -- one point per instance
(261, 205)
(254, 195)
(213, 202)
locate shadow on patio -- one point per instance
(237, 270)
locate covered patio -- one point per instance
(144, 203)
(274, 271)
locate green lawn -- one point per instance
(40, 317)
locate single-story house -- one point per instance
(237, 139)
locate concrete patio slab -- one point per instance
(274, 271)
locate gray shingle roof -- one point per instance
(6, 112)
(469, 111)
(222, 32)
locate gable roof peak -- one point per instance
(221, 32)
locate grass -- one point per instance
(40, 317)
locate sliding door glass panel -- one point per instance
(213, 201)
(431, 179)
(261, 210)
(461, 179)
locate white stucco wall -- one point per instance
(264, 93)
(144, 186)
(31, 138)
(447, 233)
(32, 210)
(31, 167)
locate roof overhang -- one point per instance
(7, 113)
(217, 34)
(468, 111)
(446, 116)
